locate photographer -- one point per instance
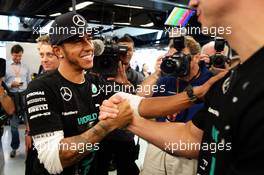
(156, 160)
(233, 119)
(120, 151)
(215, 55)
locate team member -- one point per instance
(229, 131)
(63, 106)
(49, 61)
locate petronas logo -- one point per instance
(94, 89)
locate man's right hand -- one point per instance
(123, 117)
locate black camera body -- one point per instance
(107, 63)
(179, 63)
(218, 60)
(2, 67)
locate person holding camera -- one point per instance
(156, 160)
(63, 106)
(225, 137)
(17, 78)
(215, 55)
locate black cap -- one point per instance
(66, 26)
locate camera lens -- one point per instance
(168, 66)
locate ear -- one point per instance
(57, 50)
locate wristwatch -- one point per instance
(193, 98)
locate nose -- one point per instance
(88, 44)
(44, 58)
(194, 3)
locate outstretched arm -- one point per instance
(168, 136)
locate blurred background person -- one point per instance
(144, 70)
(7, 108)
(17, 78)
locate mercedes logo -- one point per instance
(226, 85)
(78, 20)
(66, 93)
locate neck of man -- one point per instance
(194, 73)
(69, 72)
(247, 35)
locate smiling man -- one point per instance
(63, 105)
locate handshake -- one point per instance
(123, 109)
(119, 110)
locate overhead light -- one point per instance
(81, 5)
(129, 6)
(122, 23)
(42, 16)
(55, 14)
(151, 24)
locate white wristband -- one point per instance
(134, 101)
(47, 145)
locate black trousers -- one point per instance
(124, 154)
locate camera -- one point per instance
(179, 63)
(2, 67)
(218, 60)
(106, 64)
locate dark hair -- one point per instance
(17, 48)
(125, 38)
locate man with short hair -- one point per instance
(49, 61)
(63, 106)
(226, 137)
(133, 77)
(17, 78)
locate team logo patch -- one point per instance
(78, 20)
(66, 93)
(226, 85)
(94, 89)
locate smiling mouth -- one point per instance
(87, 57)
